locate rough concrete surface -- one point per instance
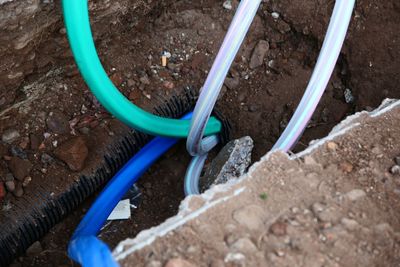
(230, 163)
(335, 204)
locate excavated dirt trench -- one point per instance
(45, 101)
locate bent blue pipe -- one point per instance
(91, 251)
(85, 248)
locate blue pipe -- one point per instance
(85, 248)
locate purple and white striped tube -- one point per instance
(322, 73)
(233, 40)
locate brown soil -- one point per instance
(335, 204)
(259, 103)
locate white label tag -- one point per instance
(121, 212)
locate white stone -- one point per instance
(275, 15)
(244, 245)
(228, 4)
(249, 216)
(356, 194)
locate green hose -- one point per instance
(76, 17)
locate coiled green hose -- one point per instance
(76, 16)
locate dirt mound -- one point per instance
(334, 204)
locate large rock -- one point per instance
(73, 152)
(231, 162)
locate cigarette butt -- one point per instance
(164, 61)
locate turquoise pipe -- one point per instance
(77, 24)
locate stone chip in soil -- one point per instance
(10, 135)
(231, 162)
(73, 152)
(259, 54)
(19, 190)
(20, 168)
(58, 123)
(10, 185)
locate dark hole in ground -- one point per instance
(258, 102)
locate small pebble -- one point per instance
(228, 4)
(309, 160)
(10, 135)
(278, 228)
(249, 216)
(395, 169)
(84, 130)
(244, 245)
(346, 167)
(18, 152)
(19, 191)
(24, 143)
(280, 253)
(348, 96)
(9, 177)
(46, 158)
(145, 80)
(349, 224)
(58, 123)
(231, 83)
(10, 186)
(317, 207)
(355, 194)
(275, 15)
(131, 82)
(26, 181)
(169, 85)
(20, 168)
(34, 249)
(397, 160)
(167, 54)
(236, 258)
(332, 146)
(259, 54)
(252, 108)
